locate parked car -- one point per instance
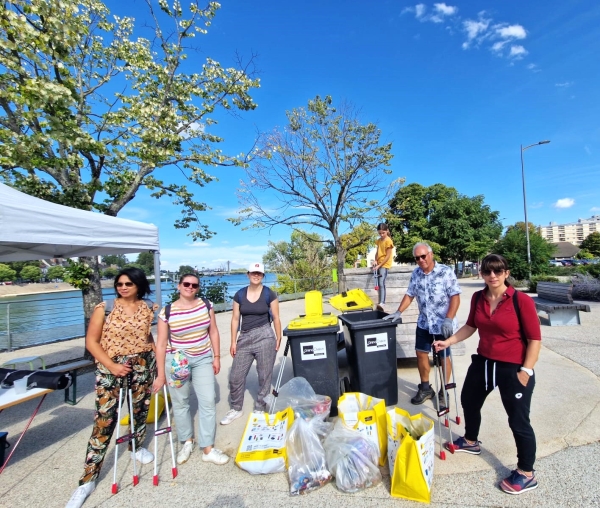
(567, 262)
(554, 262)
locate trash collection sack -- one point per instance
(351, 459)
(411, 448)
(300, 396)
(366, 414)
(262, 449)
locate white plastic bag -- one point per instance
(300, 396)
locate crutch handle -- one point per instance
(287, 348)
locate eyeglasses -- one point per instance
(256, 273)
(421, 257)
(192, 285)
(126, 284)
(487, 273)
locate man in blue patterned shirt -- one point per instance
(438, 295)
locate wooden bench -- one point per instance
(73, 369)
(556, 300)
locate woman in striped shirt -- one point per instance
(190, 328)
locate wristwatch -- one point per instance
(529, 371)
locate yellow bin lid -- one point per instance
(354, 299)
(305, 322)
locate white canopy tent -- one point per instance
(31, 228)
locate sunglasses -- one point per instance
(126, 284)
(487, 273)
(421, 257)
(192, 285)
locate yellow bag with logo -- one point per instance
(150, 417)
(262, 448)
(366, 414)
(411, 453)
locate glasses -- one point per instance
(256, 273)
(487, 273)
(126, 284)
(192, 285)
(421, 257)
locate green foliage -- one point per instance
(532, 286)
(31, 273)
(110, 273)
(358, 242)
(513, 246)
(183, 269)
(146, 261)
(593, 270)
(55, 272)
(214, 290)
(592, 244)
(584, 254)
(119, 260)
(78, 274)
(7, 273)
(19, 265)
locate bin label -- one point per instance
(376, 342)
(313, 350)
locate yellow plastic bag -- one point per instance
(150, 417)
(411, 449)
(262, 449)
(367, 415)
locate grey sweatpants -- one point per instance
(256, 344)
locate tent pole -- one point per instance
(157, 281)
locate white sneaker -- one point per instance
(216, 456)
(143, 456)
(81, 494)
(185, 452)
(231, 415)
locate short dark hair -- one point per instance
(188, 275)
(138, 277)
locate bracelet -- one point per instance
(216, 356)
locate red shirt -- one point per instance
(499, 334)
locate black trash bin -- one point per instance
(314, 357)
(371, 352)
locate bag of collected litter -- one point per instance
(411, 448)
(307, 467)
(366, 414)
(262, 449)
(352, 459)
(300, 396)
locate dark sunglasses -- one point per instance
(192, 285)
(487, 273)
(128, 284)
(423, 256)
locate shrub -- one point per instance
(539, 278)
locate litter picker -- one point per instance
(440, 373)
(159, 432)
(376, 280)
(275, 391)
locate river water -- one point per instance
(49, 317)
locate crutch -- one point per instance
(158, 432)
(376, 280)
(453, 386)
(275, 391)
(441, 411)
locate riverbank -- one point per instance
(36, 288)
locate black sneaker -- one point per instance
(442, 402)
(422, 395)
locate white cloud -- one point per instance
(587, 149)
(511, 32)
(534, 68)
(446, 10)
(595, 209)
(564, 203)
(475, 29)
(537, 205)
(517, 52)
(566, 84)
(499, 46)
(420, 10)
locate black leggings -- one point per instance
(516, 399)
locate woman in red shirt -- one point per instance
(509, 346)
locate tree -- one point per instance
(584, 254)
(146, 260)
(301, 264)
(89, 113)
(409, 214)
(183, 269)
(513, 246)
(55, 272)
(119, 260)
(592, 244)
(7, 273)
(358, 242)
(110, 273)
(31, 273)
(326, 170)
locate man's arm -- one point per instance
(453, 306)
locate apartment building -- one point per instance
(574, 232)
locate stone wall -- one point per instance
(396, 285)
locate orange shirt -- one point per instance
(382, 246)
(126, 335)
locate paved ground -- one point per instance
(565, 416)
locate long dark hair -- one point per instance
(138, 277)
(494, 262)
(382, 226)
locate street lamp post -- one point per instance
(525, 202)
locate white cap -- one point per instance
(256, 267)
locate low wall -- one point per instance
(396, 285)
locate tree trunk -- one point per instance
(92, 296)
(341, 260)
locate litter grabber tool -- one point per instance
(160, 432)
(376, 279)
(442, 410)
(275, 391)
(127, 437)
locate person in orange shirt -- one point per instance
(383, 260)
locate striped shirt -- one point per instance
(189, 329)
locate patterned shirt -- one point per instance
(189, 329)
(126, 335)
(433, 292)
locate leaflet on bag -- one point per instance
(376, 342)
(313, 350)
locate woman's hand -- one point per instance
(523, 377)
(233, 349)
(120, 369)
(277, 344)
(159, 382)
(440, 345)
(216, 365)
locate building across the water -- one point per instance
(574, 232)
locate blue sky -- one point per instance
(456, 87)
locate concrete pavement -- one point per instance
(565, 416)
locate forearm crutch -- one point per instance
(441, 410)
(158, 432)
(115, 486)
(453, 386)
(279, 376)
